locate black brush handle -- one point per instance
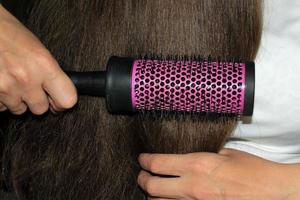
(89, 83)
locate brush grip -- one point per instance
(89, 83)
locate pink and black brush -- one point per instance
(199, 86)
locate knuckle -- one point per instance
(45, 59)
(19, 110)
(200, 163)
(39, 108)
(4, 90)
(5, 85)
(20, 74)
(39, 111)
(42, 55)
(70, 101)
(15, 69)
(54, 109)
(197, 166)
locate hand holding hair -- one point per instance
(230, 174)
(29, 75)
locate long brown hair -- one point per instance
(87, 153)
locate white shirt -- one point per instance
(274, 132)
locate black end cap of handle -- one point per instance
(250, 89)
(118, 85)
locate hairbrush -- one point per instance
(196, 86)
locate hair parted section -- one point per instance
(87, 153)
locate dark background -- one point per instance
(3, 124)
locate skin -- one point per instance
(227, 175)
(30, 76)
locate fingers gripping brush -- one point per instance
(200, 86)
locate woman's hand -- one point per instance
(29, 75)
(229, 175)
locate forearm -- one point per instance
(291, 177)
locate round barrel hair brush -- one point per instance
(201, 86)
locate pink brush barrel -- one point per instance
(188, 86)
